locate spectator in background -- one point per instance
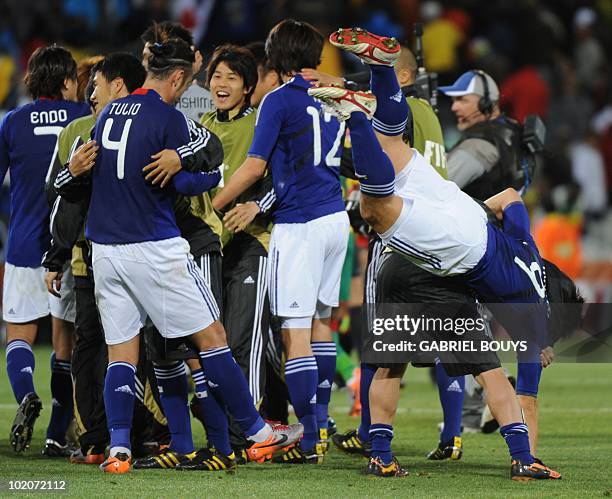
(589, 172)
(525, 92)
(442, 38)
(589, 56)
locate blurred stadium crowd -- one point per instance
(549, 57)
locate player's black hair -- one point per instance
(258, 49)
(238, 59)
(169, 56)
(89, 88)
(125, 66)
(164, 31)
(293, 45)
(48, 67)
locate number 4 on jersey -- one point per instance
(117, 145)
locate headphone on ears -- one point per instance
(485, 104)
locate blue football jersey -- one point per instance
(124, 207)
(28, 141)
(302, 146)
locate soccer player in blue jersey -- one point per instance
(441, 229)
(300, 144)
(142, 266)
(28, 137)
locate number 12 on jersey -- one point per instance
(117, 145)
(330, 157)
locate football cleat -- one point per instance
(521, 472)
(209, 460)
(354, 386)
(92, 455)
(241, 456)
(323, 442)
(281, 437)
(332, 428)
(165, 460)
(295, 455)
(350, 443)
(453, 450)
(23, 424)
(53, 448)
(118, 464)
(377, 468)
(370, 48)
(341, 102)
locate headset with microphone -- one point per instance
(485, 104)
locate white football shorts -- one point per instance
(304, 264)
(158, 279)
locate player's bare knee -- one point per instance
(211, 337)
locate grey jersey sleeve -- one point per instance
(470, 160)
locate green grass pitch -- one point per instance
(575, 437)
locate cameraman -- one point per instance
(487, 157)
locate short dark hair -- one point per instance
(125, 66)
(293, 45)
(169, 56)
(48, 67)
(162, 32)
(89, 88)
(258, 49)
(240, 60)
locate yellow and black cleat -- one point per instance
(453, 450)
(377, 468)
(323, 444)
(210, 460)
(165, 460)
(350, 443)
(295, 455)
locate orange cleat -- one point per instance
(91, 457)
(281, 437)
(353, 386)
(118, 464)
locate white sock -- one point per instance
(262, 435)
(116, 450)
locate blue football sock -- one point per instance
(119, 403)
(517, 439)
(325, 355)
(451, 391)
(367, 375)
(173, 393)
(215, 418)
(20, 368)
(381, 436)
(392, 110)
(61, 395)
(372, 166)
(221, 369)
(301, 377)
(528, 378)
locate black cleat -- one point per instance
(453, 450)
(23, 424)
(55, 449)
(525, 472)
(295, 455)
(350, 443)
(377, 468)
(209, 460)
(167, 459)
